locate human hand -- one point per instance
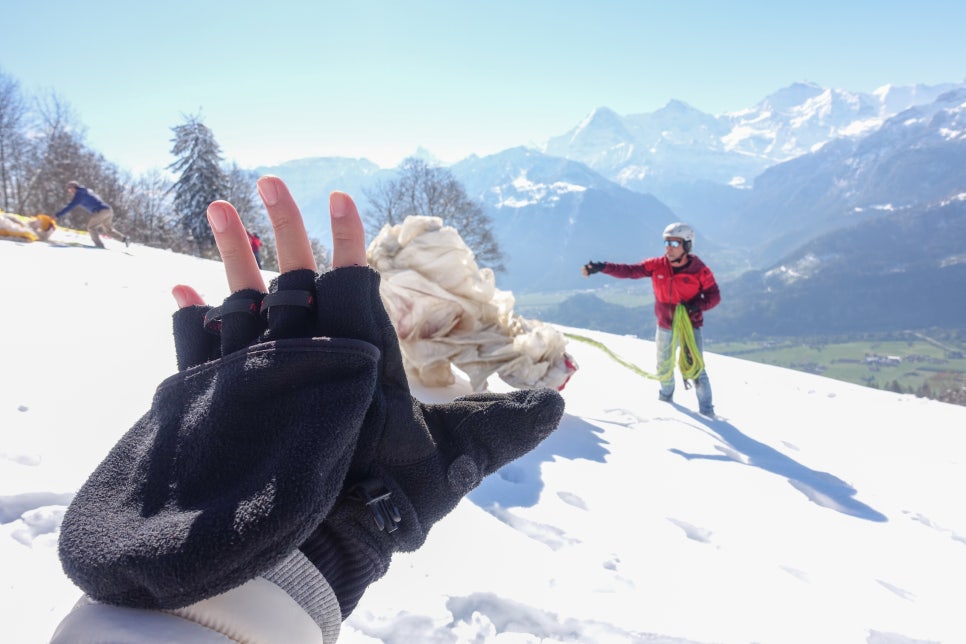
(245, 450)
(292, 242)
(413, 462)
(287, 310)
(692, 305)
(275, 417)
(592, 267)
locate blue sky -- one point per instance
(377, 79)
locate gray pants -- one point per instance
(102, 221)
(702, 387)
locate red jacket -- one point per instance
(256, 242)
(692, 284)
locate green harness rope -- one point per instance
(690, 361)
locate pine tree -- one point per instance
(201, 180)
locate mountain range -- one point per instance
(769, 189)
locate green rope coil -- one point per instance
(690, 361)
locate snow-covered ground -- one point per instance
(815, 511)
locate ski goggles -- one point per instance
(673, 243)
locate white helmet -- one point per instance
(680, 230)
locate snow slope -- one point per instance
(816, 511)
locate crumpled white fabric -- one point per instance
(448, 312)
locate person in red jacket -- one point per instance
(678, 278)
(256, 243)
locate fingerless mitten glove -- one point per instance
(254, 449)
(415, 461)
(241, 455)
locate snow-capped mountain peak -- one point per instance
(522, 191)
(602, 136)
(680, 143)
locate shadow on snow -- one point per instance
(821, 488)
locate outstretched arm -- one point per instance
(592, 267)
(66, 209)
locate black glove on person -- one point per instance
(241, 455)
(594, 267)
(414, 461)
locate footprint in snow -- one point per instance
(692, 532)
(30, 460)
(904, 594)
(801, 575)
(549, 535)
(15, 506)
(38, 523)
(926, 521)
(572, 499)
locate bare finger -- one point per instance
(348, 233)
(291, 240)
(234, 247)
(186, 296)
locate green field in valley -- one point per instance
(930, 363)
(918, 363)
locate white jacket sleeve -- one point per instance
(257, 612)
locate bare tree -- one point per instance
(421, 189)
(38, 178)
(13, 143)
(59, 152)
(151, 217)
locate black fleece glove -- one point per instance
(220, 482)
(415, 461)
(594, 267)
(240, 457)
